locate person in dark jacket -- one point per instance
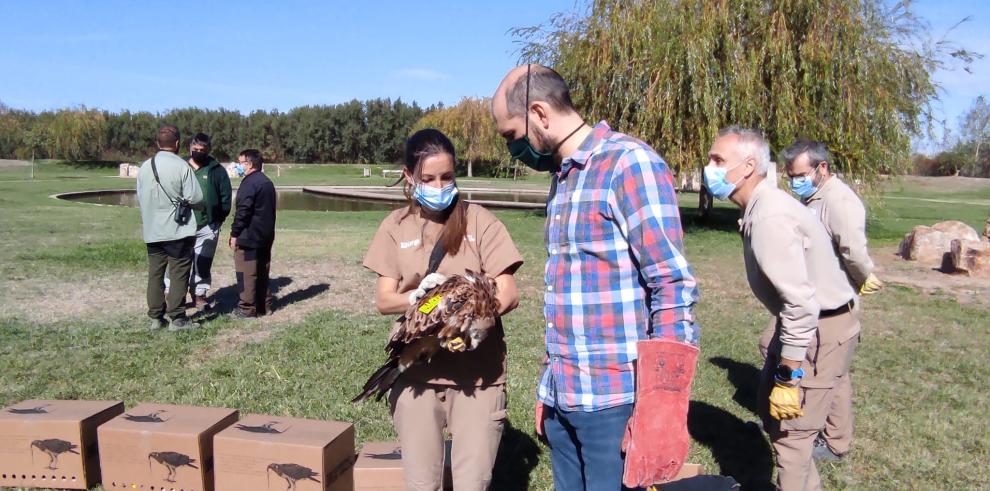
(252, 236)
(213, 179)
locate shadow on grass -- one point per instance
(744, 377)
(518, 455)
(226, 298)
(721, 219)
(739, 449)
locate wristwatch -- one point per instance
(785, 373)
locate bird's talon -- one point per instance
(456, 344)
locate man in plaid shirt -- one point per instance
(615, 272)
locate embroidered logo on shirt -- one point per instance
(411, 243)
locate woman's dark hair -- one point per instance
(420, 146)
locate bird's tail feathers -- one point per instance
(380, 381)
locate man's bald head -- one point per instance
(544, 84)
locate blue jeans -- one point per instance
(586, 447)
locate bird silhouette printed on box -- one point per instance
(291, 473)
(53, 448)
(30, 410)
(456, 315)
(171, 461)
(268, 427)
(152, 417)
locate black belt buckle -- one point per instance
(825, 314)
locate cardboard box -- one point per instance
(52, 444)
(265, 453)
(162, 447)
(379, 467)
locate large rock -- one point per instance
(930, 245)
(972, 259)
(986, 229)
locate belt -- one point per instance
(825, 314)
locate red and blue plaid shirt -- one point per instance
(615, 272)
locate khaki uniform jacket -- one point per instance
(401, 250)
(842, 212)
(791, 266)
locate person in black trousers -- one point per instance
(252, 236)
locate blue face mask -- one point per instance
(435, 199)
(239, 169)
(716, 183)
(803, 186)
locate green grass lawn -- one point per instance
(72, 326)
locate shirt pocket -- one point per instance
(588, 220)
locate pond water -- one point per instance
(295, 199)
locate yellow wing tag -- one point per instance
(430, 304)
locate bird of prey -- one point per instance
(171, 460)
(53, 447)
(30, 410)
(456, 315)
(152, 417)
(268, 427)
(291, 473)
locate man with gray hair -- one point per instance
(809, 166)
(794, 272)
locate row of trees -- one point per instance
(471, 128)
(969, 154)
(370, 131)
(853, 73)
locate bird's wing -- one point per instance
(427, 317)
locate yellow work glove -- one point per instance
(871, 285)
(785, 401)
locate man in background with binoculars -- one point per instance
(167, 193)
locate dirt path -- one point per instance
(300, 286)
(964, 289)
(5, 163)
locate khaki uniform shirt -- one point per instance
(791, 266)
(401, 250)
(844, 216)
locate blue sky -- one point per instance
(276, 55)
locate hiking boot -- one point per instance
(182, 324)
(157, 323)
(200, 302)
(238, 314)
(821, 452)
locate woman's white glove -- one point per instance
(431, 281)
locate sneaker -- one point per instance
(821, 452)
(157, 323)
(182, 324)
(240, 314)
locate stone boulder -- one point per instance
(986, 229)
(930, 245)
(972, 259)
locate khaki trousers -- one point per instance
(475, 420)
(824, 388)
